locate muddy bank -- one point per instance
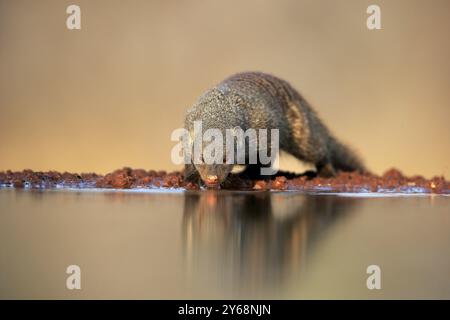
(391, 181)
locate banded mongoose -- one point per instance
(262, 101)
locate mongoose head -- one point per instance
(213, 174)
(214, 110)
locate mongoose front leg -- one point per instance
(190, 173)
(253, 171)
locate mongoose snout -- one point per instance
(211, 180)
(255, 100)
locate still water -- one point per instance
(220, 245)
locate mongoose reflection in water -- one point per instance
(254, 100)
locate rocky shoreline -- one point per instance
(391, 181)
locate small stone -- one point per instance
(18, 183)
(280, 183)
(260, 185)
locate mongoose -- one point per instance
(262, 101)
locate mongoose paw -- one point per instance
(190, 174)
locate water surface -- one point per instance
(215, 245)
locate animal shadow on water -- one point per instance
(253, 242)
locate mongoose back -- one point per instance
(261, 101)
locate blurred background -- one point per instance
(109, 95)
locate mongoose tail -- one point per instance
(344, 158)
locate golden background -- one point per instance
(110, 94)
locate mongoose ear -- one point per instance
(190, 173)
